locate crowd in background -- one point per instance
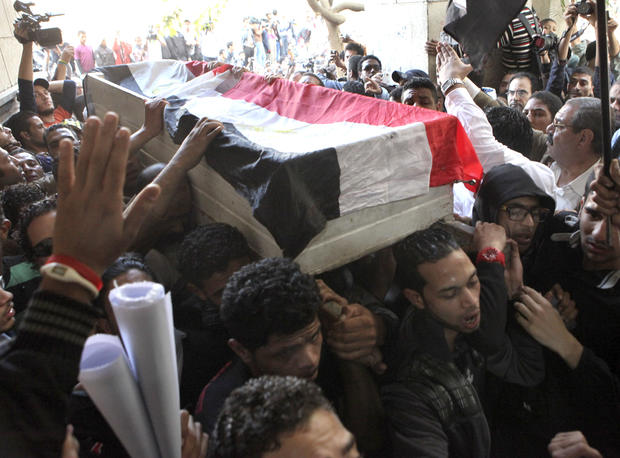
(502, 342)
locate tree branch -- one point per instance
(353, 6)
(328, 15)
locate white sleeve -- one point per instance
(491, 152)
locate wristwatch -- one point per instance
(67, 274)
(447, 84)
(491, 254)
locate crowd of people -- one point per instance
(502, 343)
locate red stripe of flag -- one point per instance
(454, 157)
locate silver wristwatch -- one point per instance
(447, 84)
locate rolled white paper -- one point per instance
(108, 380)
(144, 316)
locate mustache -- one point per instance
(597, 243)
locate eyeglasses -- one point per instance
(516, 213)
(560, 125)
(43, 249)
(519, 92)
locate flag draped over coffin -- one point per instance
(302, 155)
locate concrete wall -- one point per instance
(396, 30)
(10, 50)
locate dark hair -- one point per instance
(358, 48)
(356, 87)
(420, 82)
(19, 123)
(590, 53)
(396, 94)
(35, 210)
(365, 58)
(147, 175)
(547, 19)
(551, 101)
(229, 44)
(314, 75)
(271, 296)
(54, 128)
(80, 32)
(534, 81)
(124, 263)
(255, 415)
(208, 249)
(427, 245)
(352, 66)
(584, 71)
(588, 116)
(512, 128)
(15, 198)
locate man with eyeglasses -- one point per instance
(574, 139)
(522, 85)
(509, 197)
(575, 143)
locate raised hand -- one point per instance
(449, 64)
(90, 226)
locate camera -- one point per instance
(583, 7)
(548, 42)
(31, 23)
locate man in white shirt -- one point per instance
(574, 148)
(575, 144)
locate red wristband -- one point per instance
(79, 267)
(490, 254)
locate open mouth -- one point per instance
(472, 320)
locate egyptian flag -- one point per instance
(481, 25)
(303, 155)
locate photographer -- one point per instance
(35, 95)
(584, 81)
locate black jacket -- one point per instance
(37, 375)
(446, 418)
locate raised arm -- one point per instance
(460, 104)
(39, 371)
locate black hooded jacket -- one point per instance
(501, 184)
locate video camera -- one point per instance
(585, 8)
(547, 42)
(31, 23)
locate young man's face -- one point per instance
(538, 114)
(10, 171)
(82, 38)
(348, 53)
(40, 232)
(521, 230)
(310, 80)
(6, 137)
(419, 97)
(519, 92)
(7, 312)
(54, 138)
(451, 294)
(43, 99)
(503, 85)
(598, 254)
(549, 27)
(213, 287)
(580, 85)
(297, 354)
(322, 436)
(370, 67)
(29, 164)
(614, 101)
